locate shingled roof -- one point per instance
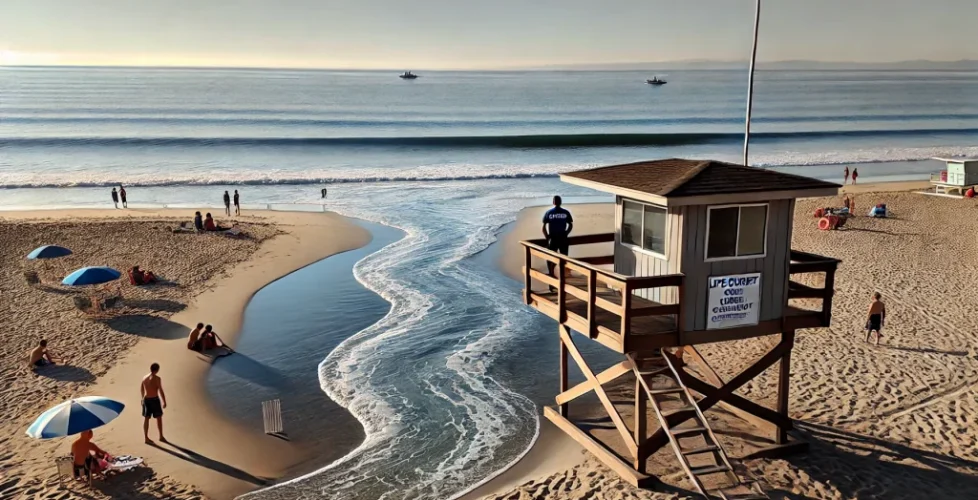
(674, 178)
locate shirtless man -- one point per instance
(193, 341)
(876, 319)
(86, 455)
(154, 401)
(40, 356)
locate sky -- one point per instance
(467, 34)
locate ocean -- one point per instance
(448, 379)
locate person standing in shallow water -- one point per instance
(237, 204)
(115, 198)
(227, 203)
(557, 225)
(847, 176)
(122, 196)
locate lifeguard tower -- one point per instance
(702, 253)
(957, 177)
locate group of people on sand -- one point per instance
(204, 338)
(227, 203)
(119, 196)
(207, 223)
(89, 460)
(855, 173)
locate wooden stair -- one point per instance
(662, 368)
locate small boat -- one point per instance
(655, 81)
(407, 75)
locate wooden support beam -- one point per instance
(829, 293)
(543, 278)
(655, 310)
(612, 373)
(561, 292)
(704, 368)
(605, 401)
(626, 318)
(527, 283)
(743, 377)
(564, 407)
(592, 295)
(602, 260)
(641, 424)
(784, 375)
(627, 473)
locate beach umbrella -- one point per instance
(91, 276)
(74, 416)
(48, 252)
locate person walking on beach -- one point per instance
(115, 198)
(876, 319)
(227, 203)
(237, 205)
(855, 173)
(154, 401)
(557, 225)
(122, 196)
(847, 176)
(323, 192)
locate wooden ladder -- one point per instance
(662, 365)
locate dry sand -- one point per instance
(894, 421)
(210, 278)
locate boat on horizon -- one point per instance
(407, 75)
(655, 81)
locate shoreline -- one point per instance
(232, 459)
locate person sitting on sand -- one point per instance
(40, 356)
(210, 225)
(198, 222)
(876, 319)
(86, 455)
(193, 341)
(141, 277)
(209, 339)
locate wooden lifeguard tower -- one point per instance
(702, 253)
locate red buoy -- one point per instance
(824, 224)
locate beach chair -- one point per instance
(32, 278)
(66, 468)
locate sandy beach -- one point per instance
(207, 278)
(893, 421)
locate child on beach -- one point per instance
(876, 319)
(40, 356)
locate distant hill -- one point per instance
(963, 65)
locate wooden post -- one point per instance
(681, 317)
(827, 300)
(592, 293)
(626, 317)
(641, 424)
(527, 283)
(561, 293)
(784, 374)
(563, 409)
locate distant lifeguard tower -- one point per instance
(958, 176)
(702, 253)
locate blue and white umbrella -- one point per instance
(91, 276)
(75, 416)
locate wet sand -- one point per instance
(210, 278)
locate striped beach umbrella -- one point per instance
(78, 415)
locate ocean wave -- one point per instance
(548, 141)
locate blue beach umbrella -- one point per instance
(91, 276)
(72, 417)
(48, 252)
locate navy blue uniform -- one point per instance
(558, 221)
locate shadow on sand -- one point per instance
(242, 366)
(214, 465)
(145, 325)
(162, 305)
(65, 373)
(867, 467)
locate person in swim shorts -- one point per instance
(876, 319)
(40, 356)
(154, 401)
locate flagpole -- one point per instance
(750, 79)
